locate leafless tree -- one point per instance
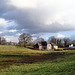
(2, 41)
(52, 40)
(25, 39)
(67, 41)
(39, 39)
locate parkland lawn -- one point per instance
(24, 61)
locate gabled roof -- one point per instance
(43, 43)
(53, 44)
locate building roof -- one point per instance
(53, 44)
(44, 43)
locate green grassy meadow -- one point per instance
(24, 61)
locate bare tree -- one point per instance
(39, 39)
(25, 39)
(52, 40)
(67, 41)
(2, 41)
(60, 43)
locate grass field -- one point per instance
(24, 61)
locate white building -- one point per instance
(55, 47)
(49, 47)
(46, 45)
(71, 46)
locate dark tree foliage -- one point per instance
(60, 43)
(67, 41)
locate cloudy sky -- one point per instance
(43, 18)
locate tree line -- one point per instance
(26, 39)
(64, 42)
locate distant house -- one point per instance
(54, 46)
(42, 45)
(71, 46)
(49, 46)
(11, 43)
(45, 45)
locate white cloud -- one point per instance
(6, 23)
(39, 16)
(3, 22)
(36, 13)
(18, 34)
(12, 30)
(24, 3)
(60, 35)
(1, 32)
(11, 38)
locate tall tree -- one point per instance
(39, 39)
(24, 39)
(60, 43)
(67, 41)
(52, 40)
(2, 41)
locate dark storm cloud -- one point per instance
(4, 8)
(32, 20)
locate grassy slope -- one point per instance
(64, 66)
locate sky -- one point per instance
(43, 18)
